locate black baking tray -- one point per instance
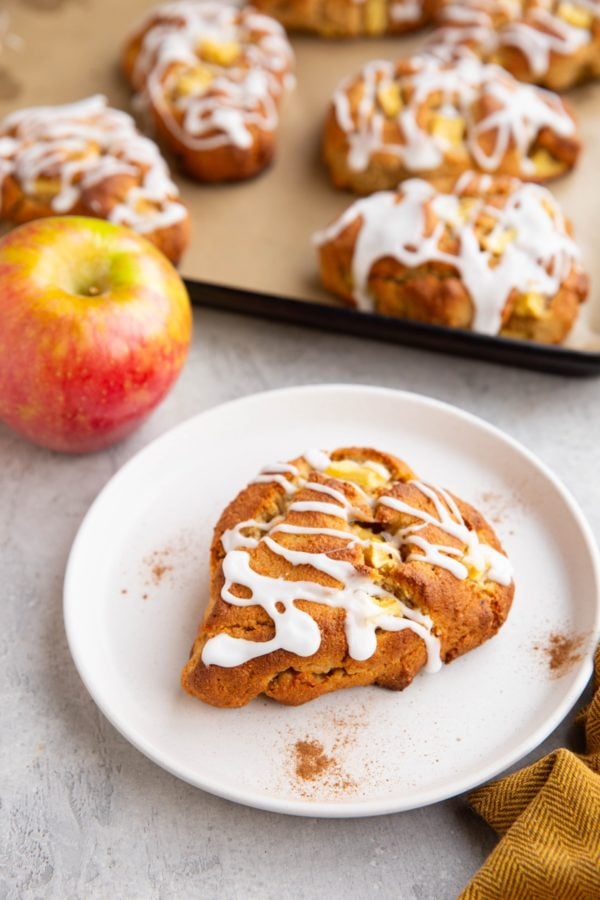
(524, 354)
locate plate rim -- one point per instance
(305, 806)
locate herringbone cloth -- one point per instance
(548, 816)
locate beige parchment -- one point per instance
(257, 234)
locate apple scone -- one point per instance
(555, 43)
(210, 77)
(350, 18)
(343, 569)
(438, 114)
(87, 159)
(496, 256)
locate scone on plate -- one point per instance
(555, 43)
(495, 255)
(350, 18)
(87, 159)
(210, 77)
(438, 114)
(343, 569)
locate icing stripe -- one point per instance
(537, 31)
(228, 97)
(527, 250)
(83, 144)
(514, 116)
(354, 592)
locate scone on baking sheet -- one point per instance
(210, 78)
(555, 43)
(343, 569)
(496, 255)
(350, 18)
(438, 114)
(87, 159)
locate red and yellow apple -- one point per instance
(95, 324)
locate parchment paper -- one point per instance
(256, 235)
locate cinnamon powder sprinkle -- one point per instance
(159, 570)
(562, 652)
(158, 564)
(311, 760)
(317, 773)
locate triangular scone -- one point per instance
(438, 114)
(340, 570)
(495, 255)
(86, 159)
(555, 43)
(210, 77)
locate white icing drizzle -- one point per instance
(281, 467)
(537, 30)
(477, 555)
(544, 35)
(240, 96)
(327, 509)
(276, 472)
(233, 537)
(518, 112)
(307, 529)
(288, 486)
(471, 22)
(536, 257)
(295, 630)
(82, 144)
(369, 502)
(317, 459)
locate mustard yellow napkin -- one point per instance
(548, 817)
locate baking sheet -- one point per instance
(252, 241)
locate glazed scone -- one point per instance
(210, 77)
(554, 43)
(439, 114)
(495, 256)
(343, 569)
(88, 159)
(350, 18)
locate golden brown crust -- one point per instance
(227, 163)
(464, 612)
(434, 291)
(196, 100)
(86, 159)
(18, 208)
(347, 18)
(439, 114)
(555, 44)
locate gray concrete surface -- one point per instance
(83, 814)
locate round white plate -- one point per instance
(137, 581)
